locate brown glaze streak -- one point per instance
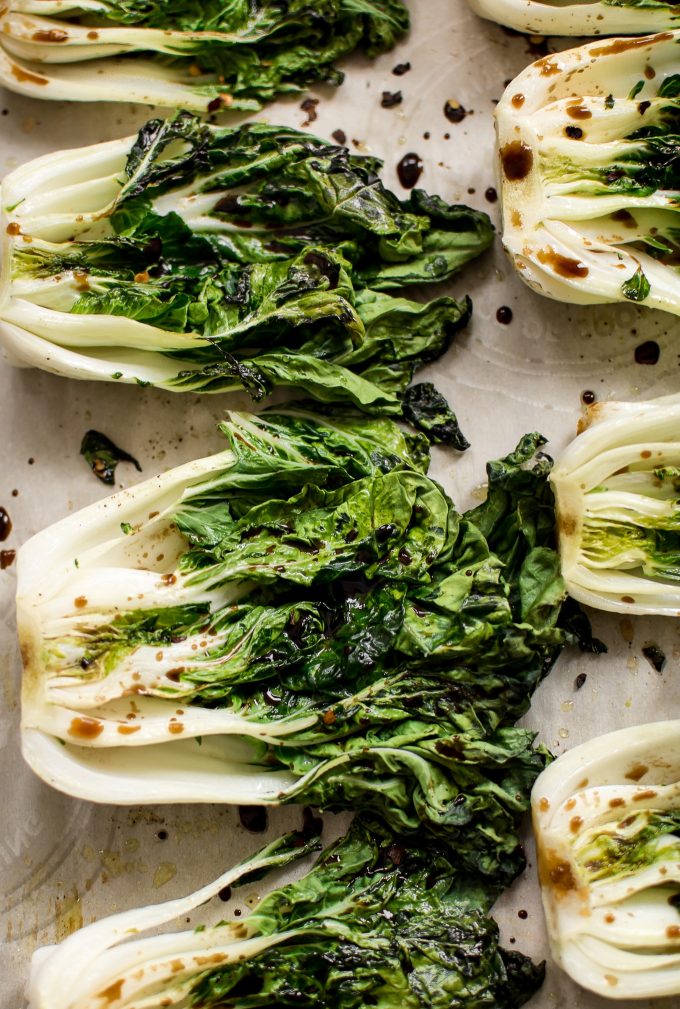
(648, 793)
(559, 874)
(517, 101)
(547, 66)
(113, 992)
(623, 45)
(562, 265)
(127, 730)
(214, 958)
(53, 35)
(636, 772)
(26, 77)
(517, 160)
(85, 728)
(579, 112)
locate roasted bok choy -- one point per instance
(607, 822)
(219, 54)
(205, 259)
(303, 617)
(589, 151)
(590, 17)
(617, 490)
(378, 920)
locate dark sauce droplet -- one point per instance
(253, 818)
(409, 170)
(162, 835)
(491, 195)
(225, 893)
(647, 352)
(5, 525)
(580, 680)
(588, 397)
(504, 315)
(7, 558)
(454, 111)
(523, 914)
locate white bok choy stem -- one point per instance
(110, 963)
(200, 57)
(78, 575)
(587, 17)
(589, 180)
(617, 492)
(607, 823)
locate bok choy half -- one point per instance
(588, 17)
(216, 54)
(589, 159)
(207, 259)
(378, 920)
(617, 489)
(607, 823)
(303, 617)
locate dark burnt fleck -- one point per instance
(390, 99)
(574, 132)
(401, 69)
(340, 137)
(655, 656)
(7, 559)
(580, 680)
(308, 106)
(396, 853)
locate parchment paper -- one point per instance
(64, 862)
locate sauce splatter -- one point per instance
(454, 111)
(85, 728)
(636, 772)
(253, 818)
(517, 160)
(410, 169)
(5, 524)
(564, 266)
(588, 397)
(504, 315)
(647, 352)
(7, 558)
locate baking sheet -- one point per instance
(64, 862)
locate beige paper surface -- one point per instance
(63, 862)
